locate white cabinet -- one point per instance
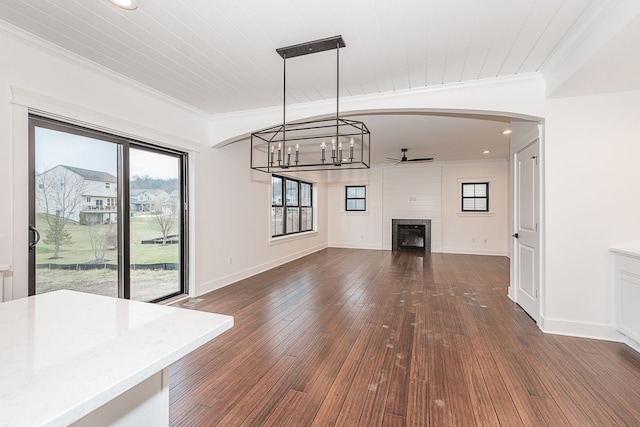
(626, 285)
(3, 268)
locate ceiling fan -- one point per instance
(405, 159)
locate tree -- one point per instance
(59, 194)
(146, 182)
(100, 238)
(166, 218)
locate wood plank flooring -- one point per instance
(349, 337)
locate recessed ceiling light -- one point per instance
(506, 132)
(486, 152)
(125, 4)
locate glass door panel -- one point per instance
(155, 224)
(76, 214)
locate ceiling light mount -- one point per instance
(318, 143)
(125, 4)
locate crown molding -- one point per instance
(49, 48)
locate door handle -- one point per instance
(36, 235)
(515, 235)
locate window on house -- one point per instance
(107, 185)
(355, 198)
(291, 206)
(88, 199)
(475, 197)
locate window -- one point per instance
(356, 199)
(475, 197)
(88, 199)
(292, 213)
(107, 185)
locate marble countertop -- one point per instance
(64, 353)
(632, 249)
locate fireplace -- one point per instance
(411, 235)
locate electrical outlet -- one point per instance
(485, 240)
(473, 240)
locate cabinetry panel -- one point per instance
(626, 283)
(629, 319)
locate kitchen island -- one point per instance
(70, 358)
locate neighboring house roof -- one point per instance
(91, 175)
(98, 193)
(152, 192)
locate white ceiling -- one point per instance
(219, 55)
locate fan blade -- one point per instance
(422, 159)
(391, 159)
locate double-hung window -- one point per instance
(475, 197)
(291, 206)
(356, 198)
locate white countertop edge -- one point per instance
(94, 402)
(632, 250)
(202, 326)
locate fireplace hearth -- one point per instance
(411, 235)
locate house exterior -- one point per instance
(149, 200)
(82, 195)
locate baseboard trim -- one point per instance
(212, 285)
(469, 251)
(631, 343)
(570, 328)
(353, 246)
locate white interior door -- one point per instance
(526, 236)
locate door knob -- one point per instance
(515, 235)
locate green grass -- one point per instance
(79, 251)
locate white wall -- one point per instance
(362, 230)
(476, 232)
(428, 191)
(225, 194)
(592, 173)
(233, 220)
(412, 192)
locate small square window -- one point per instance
(475, 197)
(355, 198)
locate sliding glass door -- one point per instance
(155, 219)
(106, 214)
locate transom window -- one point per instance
(355, 198)
(292, 213)
(475, 197)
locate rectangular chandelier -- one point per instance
(323, 144)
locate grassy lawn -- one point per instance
(79, 251)
(146, 285)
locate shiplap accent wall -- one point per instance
(412, 192)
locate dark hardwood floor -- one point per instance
(366, 338)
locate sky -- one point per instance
(55, 148)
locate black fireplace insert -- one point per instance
(411, 235)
